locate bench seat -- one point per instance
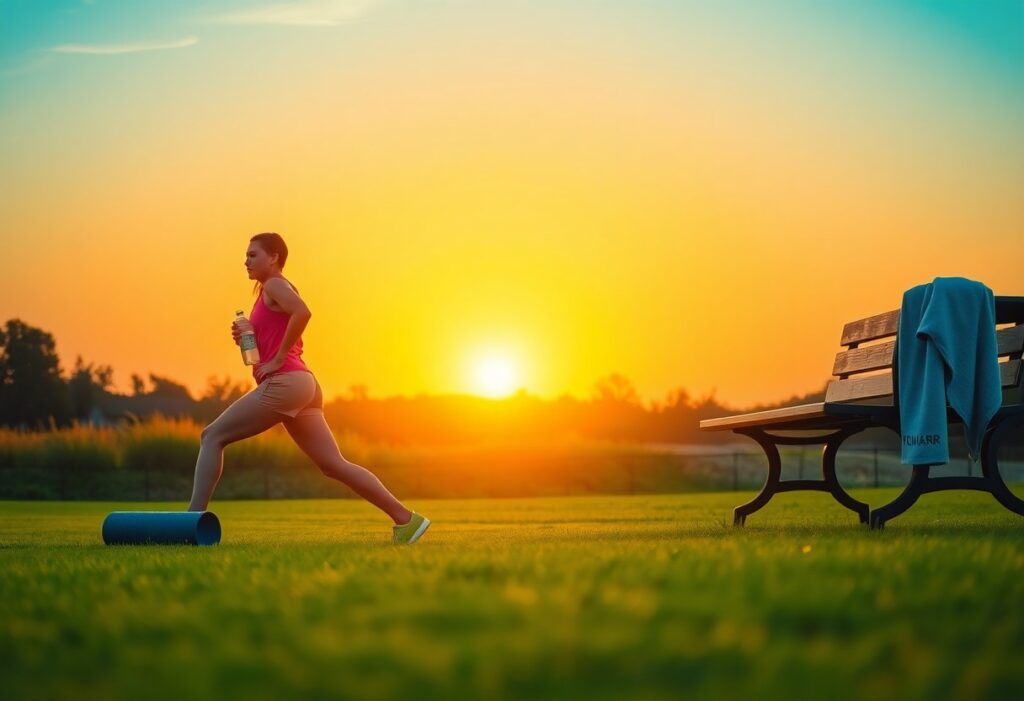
(802, 417)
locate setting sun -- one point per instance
(495, 376)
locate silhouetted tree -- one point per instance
(358, 392)
(218, 396)
(615, 411)
(166, 388)
(86, 385)
(616, 388)
(33, 394)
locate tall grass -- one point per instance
(155, 459)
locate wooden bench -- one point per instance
(864, 394)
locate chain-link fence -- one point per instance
(468, 472)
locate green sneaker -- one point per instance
(409, 533)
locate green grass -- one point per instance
(655, 597)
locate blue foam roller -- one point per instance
(167, 527)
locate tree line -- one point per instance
(35, 395)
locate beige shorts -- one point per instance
(295, 393)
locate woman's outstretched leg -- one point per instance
(244, 418)
(313, 436)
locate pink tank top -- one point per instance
(269, 326)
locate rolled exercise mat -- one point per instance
(167, 527)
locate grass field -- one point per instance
(618, 598)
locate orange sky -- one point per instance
(689, 200)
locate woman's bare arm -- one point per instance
(284, 296)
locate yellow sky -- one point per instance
(684, 214)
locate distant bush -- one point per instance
(162, 445)
(74, 451)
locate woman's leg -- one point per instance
(245, 417)
(313, 436)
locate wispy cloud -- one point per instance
(123, 48)
(307, 13)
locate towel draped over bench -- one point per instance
(946, 352)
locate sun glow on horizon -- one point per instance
(496, 376)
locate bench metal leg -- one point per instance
(910, 494)
(828, 468)
(990, 465)
(990, 481)
(774, 485)
(771, 485)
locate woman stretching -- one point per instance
(287, 392)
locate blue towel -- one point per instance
(946, 352)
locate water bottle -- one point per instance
(250, 353)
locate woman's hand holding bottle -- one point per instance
(245, 337)
(239, 327)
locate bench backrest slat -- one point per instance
(874, 327)
(851, 384)
(874, 386)
(868, 387)
(1010, 341)
(864, 359)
